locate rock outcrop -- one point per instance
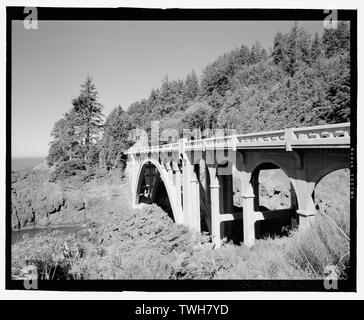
(36, 202)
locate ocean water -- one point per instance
(25, 163)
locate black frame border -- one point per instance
(114, 14)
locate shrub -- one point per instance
(67, 169)
(51, 253)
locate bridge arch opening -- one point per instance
(152, 189)
(331, 197)
(275, 199)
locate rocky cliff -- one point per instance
(36, 202)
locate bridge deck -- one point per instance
(325, 136)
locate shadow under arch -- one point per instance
(153, 186)
(203, 176)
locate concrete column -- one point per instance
(195, 204)
(306, 206)
(186, 185)
(294, 206)
(229, 203)
(206, 195)
(255, 185)
(222, 200)
(248, 219)
(215, 207)
(134, 183)
(178, 192)
(169, 173)
(305, 219)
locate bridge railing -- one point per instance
(262, 139)
(331, 135)
(321, 136)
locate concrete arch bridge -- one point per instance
(196, 177)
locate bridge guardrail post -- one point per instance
(182, 143)
(235, 141)
(288, 137)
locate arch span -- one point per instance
(329, 169)
(268, 163)
(168, 184)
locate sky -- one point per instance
(126, 59)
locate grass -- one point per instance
(146, 244)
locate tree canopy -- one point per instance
(303, 80)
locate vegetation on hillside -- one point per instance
(304, 80)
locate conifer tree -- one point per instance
(278, 49)
(191, 87)
(88, 115)
(75, 135)
(315, 50)
(291, 66)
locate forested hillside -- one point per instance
(303, 80)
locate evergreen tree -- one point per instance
(60, 145)
(198, 116)
(303, 46)
(257, 53)
(278, 49)
(75, 135)
(343, 34)
(316, 49)
(292, 52)
(242, 56)
(337, 41)
(330, 42)
(116, 138)
(190, 87)
(88, 115)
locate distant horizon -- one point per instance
(25, 162)
(34, 157)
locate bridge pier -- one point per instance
(304, 191)
(248, 218)
(178, 191)
(186, 186)
(195, 204)
(191, 197)
(215, 206)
